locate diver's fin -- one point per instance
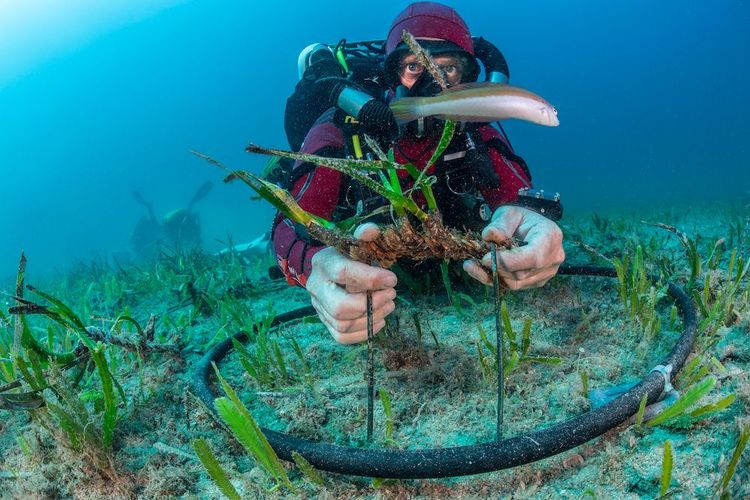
(140, 199)
(200, 194)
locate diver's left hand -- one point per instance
(528, 266)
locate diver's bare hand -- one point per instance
(528, 266)
(338, 286)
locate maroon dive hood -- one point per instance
(430, 20)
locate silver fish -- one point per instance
(478, 102)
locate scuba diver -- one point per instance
(147, 234)
(180, 228)
(478, 179)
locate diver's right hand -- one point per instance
(338, 286)
(378, 120)
(376, 117)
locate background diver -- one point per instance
(179, 229)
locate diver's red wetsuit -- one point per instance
(318, 191)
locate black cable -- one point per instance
(475, 459)
(499, 344)
(370, 368)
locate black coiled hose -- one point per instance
(492, 59)
(465, 460)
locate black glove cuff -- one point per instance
(377, 116)
(335, 90)
(328, 90)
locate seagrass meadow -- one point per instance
(144, 353)
(95, 368)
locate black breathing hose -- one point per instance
(492, 59)
(474, 459)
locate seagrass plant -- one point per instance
(637, 293)
(718, 293)
(246, 431)
(267, 365)
(722, 489)
(514, 352)
(37, 381)
(666, 470)
(385, 400)
(683, 412)
(67, 381)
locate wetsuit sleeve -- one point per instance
(509, 167)
(316, 192)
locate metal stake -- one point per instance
(370, 368)
(498, 344)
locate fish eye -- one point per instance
(554, 110)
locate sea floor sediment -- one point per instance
(434, 363)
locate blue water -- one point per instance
(652, 98)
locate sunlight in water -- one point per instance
(33, 32)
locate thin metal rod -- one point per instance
(498, 344)
(370, 368)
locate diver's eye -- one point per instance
(414, 68)
(450, 70)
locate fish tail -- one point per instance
(406, 109)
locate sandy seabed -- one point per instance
(427, 361)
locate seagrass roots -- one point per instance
(432, 240)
